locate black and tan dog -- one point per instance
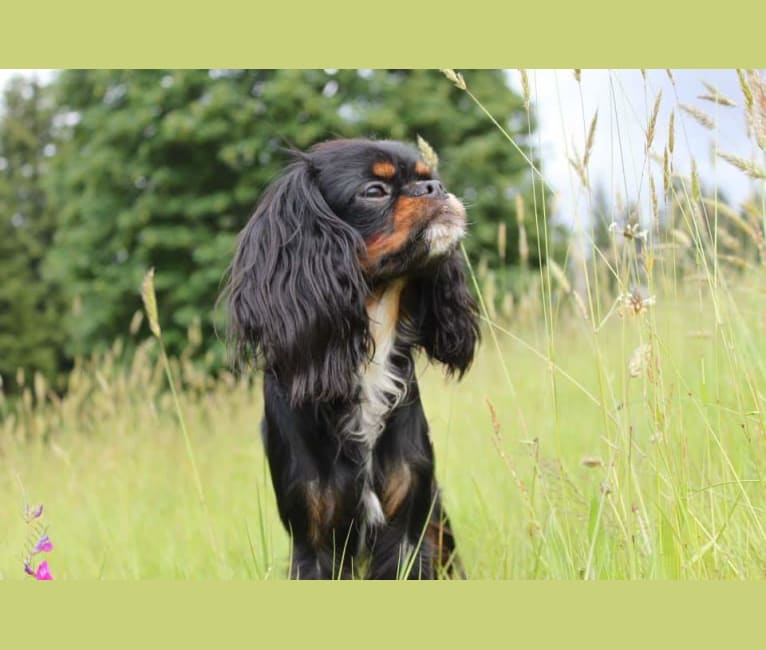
(348, 265)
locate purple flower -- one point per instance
(43, 573)
(44, 545)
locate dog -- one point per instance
(349, 265)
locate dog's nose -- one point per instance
(428, 189)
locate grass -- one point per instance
(603, 432)
(658, 476)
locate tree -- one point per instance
(30, 306)
(163, 168)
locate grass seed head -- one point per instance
(456, 78)
(135, 322)
(756, 113)
(502, 237)
(653, 121)
(428, 154)
(523, 245)
(748, 167)
(589, 141)
(696, 193)
(519, 202)
(700, 116)
(525, 88)
(746, 90)
(714, 95)
(150, 303)
(560, 276)
(672, 131)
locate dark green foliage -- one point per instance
(163, 168)
(30, 306)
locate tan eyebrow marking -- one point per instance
(384, 170)
(421, 169)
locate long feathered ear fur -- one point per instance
(448, 315)
(296, 292)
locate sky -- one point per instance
(42, 75)
(624, 100)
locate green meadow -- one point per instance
(612, 426)
(585, 460)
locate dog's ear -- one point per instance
(296, 291)
(447, 315)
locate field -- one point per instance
(574, 468)
(613, 425)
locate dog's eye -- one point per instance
(375, 191)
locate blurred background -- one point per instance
(105, 173)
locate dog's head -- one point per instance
(392, 199)
(347, 217)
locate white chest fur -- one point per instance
(381, 388)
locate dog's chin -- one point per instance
(446, 229)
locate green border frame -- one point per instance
(392, 34)
(390, 615)
(482, 33)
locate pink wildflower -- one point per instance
(43, 546)
(43, 573)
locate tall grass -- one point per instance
(612, 425)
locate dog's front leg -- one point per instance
(324, 537)
(417, 543)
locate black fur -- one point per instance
(447, 325)
(297, 296)
(297, 291)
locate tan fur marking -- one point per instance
(383, 312)
(320, 507)
(384, 170)
(421, 169)
(408, 211)
(395, 489)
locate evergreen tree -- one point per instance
(163, 168)
(30, 306)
